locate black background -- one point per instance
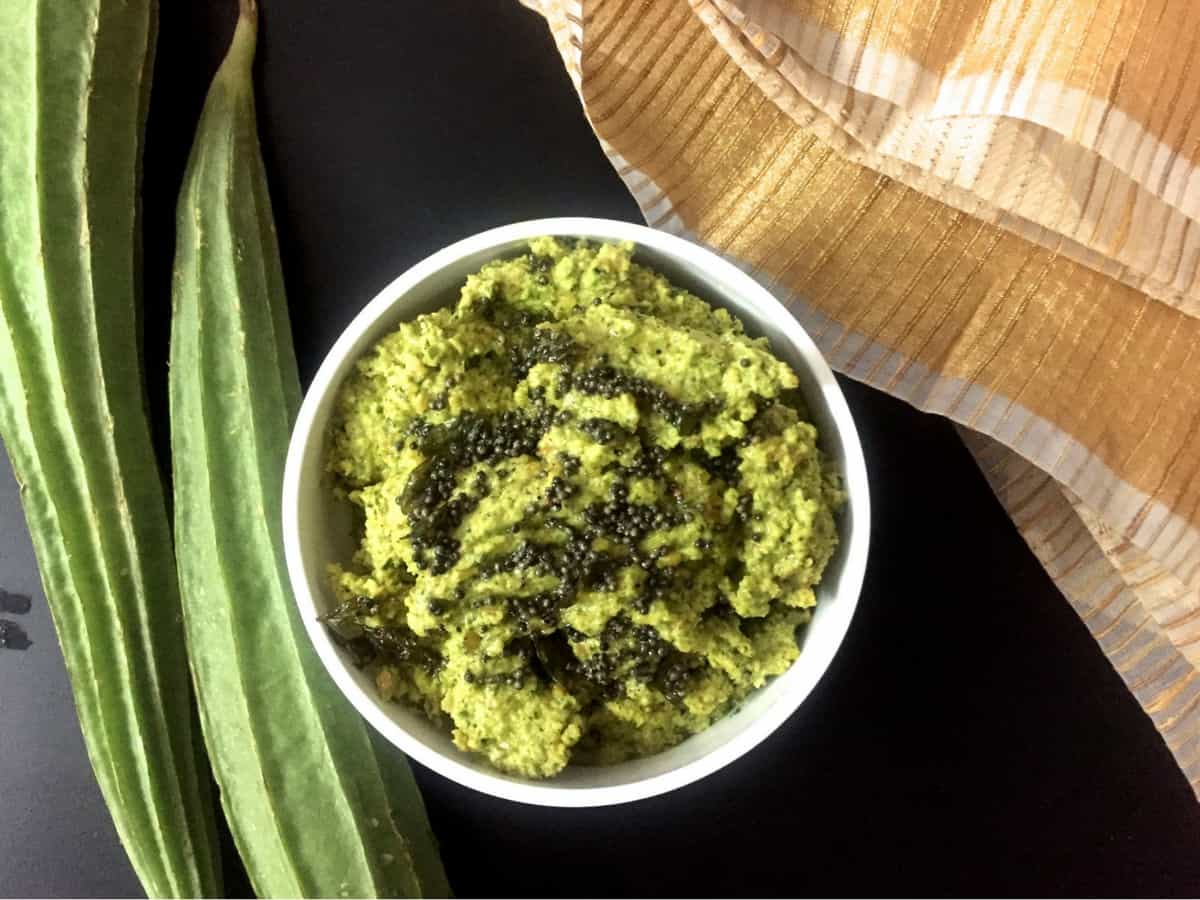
(969, 738)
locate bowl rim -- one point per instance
(327, 378)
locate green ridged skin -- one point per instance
(314, 810)
(73, 419)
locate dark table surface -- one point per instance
(970, 737)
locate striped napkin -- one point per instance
(988, 208)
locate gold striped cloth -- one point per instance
(988, 208)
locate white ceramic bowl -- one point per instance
(317, 529)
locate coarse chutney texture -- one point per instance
(593, 512)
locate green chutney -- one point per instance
(593, 512)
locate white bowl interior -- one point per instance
(319, 529)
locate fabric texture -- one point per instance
(988, 208)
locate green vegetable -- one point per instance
(313, 809)
(73, 94)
